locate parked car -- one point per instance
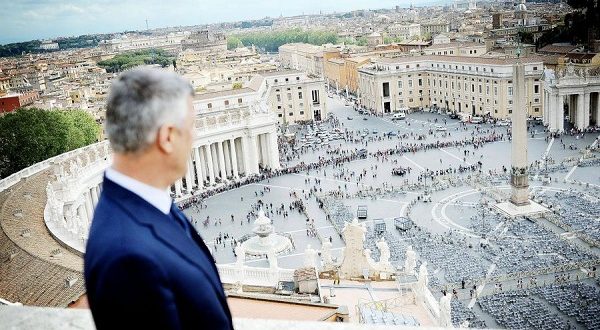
(454, 115)
(477, 120)
(349, 118)
(399, 116)
(361, 212)
(440, 128)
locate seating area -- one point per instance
(460, 314)
(580, 301)
(375, 316)
(580, 212)
(520, 310)
(526, 246)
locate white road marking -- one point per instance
(455, 156)
(413, 162)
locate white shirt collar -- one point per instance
(156, 197)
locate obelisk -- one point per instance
(519, 179)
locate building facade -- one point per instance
(467, 85)
(10, 102)
(302, 57)
(295, 98)
(572, 92)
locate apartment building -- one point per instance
(470, 85)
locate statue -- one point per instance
(309, 257)
(445, 319)
(326, 254)
(240, 254)
(384, 266)
(423, 279)
(410, 262)
(384, 251)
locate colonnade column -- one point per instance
(598, 108)
(579, 123)
(178, 187)
(251, 154)
(586, 110)
(199, 175)
(188, 177)
(209, 161)
(273, 150)
(221, 158)
(559, 115)
(233, 158)
(226, 155)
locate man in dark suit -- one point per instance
(145, 265)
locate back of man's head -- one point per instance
(140, 101)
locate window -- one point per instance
(291, 114)
(278, 98)
(510, 91)
(278, 107)
(240, 101)
(420, 82)
(209, 105)
(297, 78)
(536, 89)
(300, 95)
(275, 80)
(386, 89)
(410, 83)
(226, 102)
(287, 79)
(280, 115)
(315, 97)
(289, 96)
(535, 68)
(301, 112)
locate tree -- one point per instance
(233, 42)
(31, 135)
(132, 59)
(237, 85)
(581, 26)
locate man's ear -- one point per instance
(164, 139)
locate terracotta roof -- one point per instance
(558, 49)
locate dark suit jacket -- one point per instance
(143, 272)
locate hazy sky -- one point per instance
(24, 20)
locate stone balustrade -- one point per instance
(14, 317)
(257, 276)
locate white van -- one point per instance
(399, 116)
(477, 120)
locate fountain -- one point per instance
(266, 241)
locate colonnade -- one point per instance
(228, 159)
(209, 163)
(583, 109)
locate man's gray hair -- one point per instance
(140, 101)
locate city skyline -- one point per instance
(39, 19)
